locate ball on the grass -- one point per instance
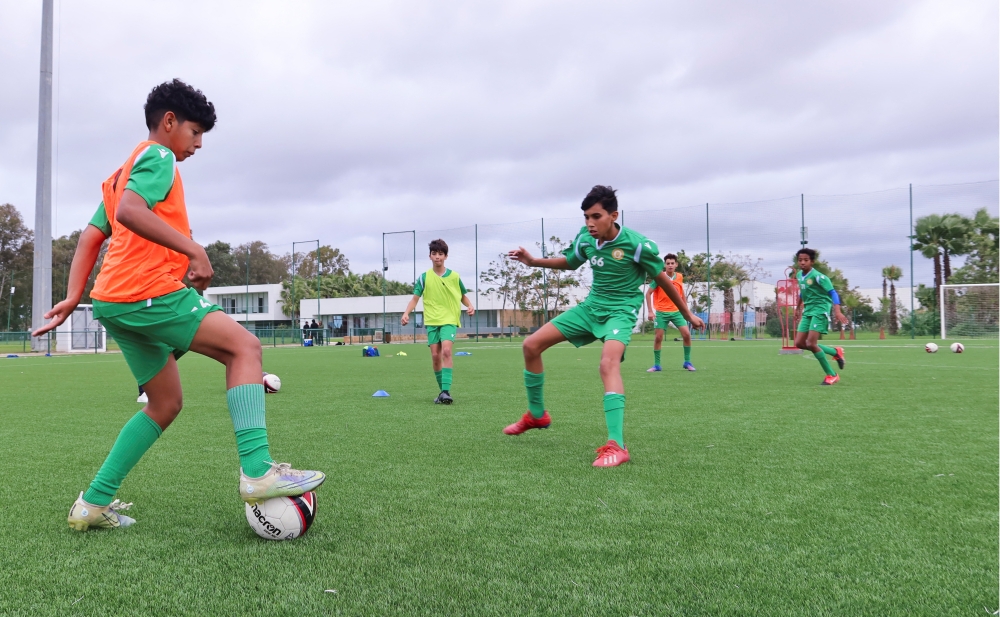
(957, 347)
(931, 347)
(272, 383)
(282, 518)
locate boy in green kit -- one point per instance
(621, 259)
(444, 295)
(816, 297)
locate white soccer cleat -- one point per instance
(83, 516)
(280, 481)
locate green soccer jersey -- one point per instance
(815, 288)
(151, 178)
(620, 267)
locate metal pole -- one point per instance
(941, 309)
(41, 285)
(913, 316)
(246, 302)
(292, 295)
(414, 232)
(384, 268)
(802, 230)
(545, 281)
(318, 275)
(476, 248)
(10, 299)
(708, 253)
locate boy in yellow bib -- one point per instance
(444, 295)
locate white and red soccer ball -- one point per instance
(282, 518)
(272, 383)
(957, 347)
(931, 347)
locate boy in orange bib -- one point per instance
(662, 310)
(139, 297)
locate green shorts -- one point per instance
(581, 326)
(440, 334)
(149, 331)
(817, 322)
(665, 319)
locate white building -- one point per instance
(81, 333)
(257, 306)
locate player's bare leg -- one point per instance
(165, 395)
(224, 340)
(534, 379)
(613, 453)
(657, 347)
(686, 337)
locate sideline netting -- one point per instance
(761, 237)
(971, 311)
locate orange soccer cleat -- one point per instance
(839, 357)
(829, 380)
(611, 455)
(528, 422)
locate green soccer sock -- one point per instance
(135, 438)
(614, 415)
(656, 357)
(446, 379)
(687, 353)
(830, 351)
(824, 362)
(533, 383)
(437, 375)
(246, 408)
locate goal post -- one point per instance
(971, 310)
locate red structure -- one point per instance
(787, 300)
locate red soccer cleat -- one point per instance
(829, 380)
(839, 357)
(528, 422)
(611, 455)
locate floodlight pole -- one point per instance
(477, 281)
(41, 284)
(10, 299)
(545, 281)
(913, 316)
(708, 253)
(803, 232)
(246, 299)
(385, 267)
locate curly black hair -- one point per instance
(187, 104)
(604, 195)
(810, 253)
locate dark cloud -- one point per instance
(347, 119)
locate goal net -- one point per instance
(970, 310)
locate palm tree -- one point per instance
(852, 302)
(893, 274)
(928, 237)
(955, 241)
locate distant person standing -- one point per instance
(444, 295)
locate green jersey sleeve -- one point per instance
(461, 286)
(652, 284)
(100, 220)
(418, 287)
(824, 281)
(575, 257)
(648, 257)
(152, 174)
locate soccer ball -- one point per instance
(282, 518)
(272, 383)
(957, 347)
(931, 347)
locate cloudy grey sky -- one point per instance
(343, 120)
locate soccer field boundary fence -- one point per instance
(741, 248)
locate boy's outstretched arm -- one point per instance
(668, 288)
(409, 309)
(554, 263)
(836, 307)
(471, 310)
(136, 216)
(87, 251)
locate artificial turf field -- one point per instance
(752, 490)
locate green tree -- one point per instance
(227, 272)
(266, 268)
(331, 262)
(16, 253)
(983, 263)
(891, 274)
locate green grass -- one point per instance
(752, 491)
